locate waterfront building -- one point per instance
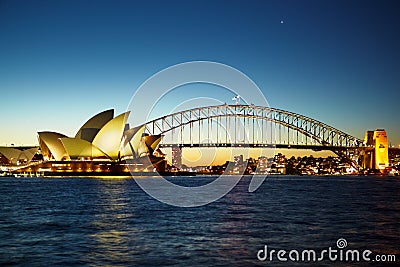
(262, 165)
(104, 143)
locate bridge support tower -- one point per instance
(376, 152)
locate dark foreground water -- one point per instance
(112, 222)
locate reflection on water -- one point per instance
(234, 228)
(113, 233)
(112, 222)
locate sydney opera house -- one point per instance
(104, 145)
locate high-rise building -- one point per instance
(177, 156)
(238, 160)
(262, 164)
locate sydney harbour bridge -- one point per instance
(254, 127)
(236, 125)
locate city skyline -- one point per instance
(334, 61)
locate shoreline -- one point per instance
(162, 174)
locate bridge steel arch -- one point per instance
(323, 134)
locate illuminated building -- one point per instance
(262, 164)
(104, 144)
(239, 165)
(100, 137)
(238, 160)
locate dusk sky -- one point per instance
(63, 61)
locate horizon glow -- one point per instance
(62, 62)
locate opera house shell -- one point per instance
(14, 155)
(102, 137)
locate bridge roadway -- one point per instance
(242, 145)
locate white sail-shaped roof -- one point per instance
(109, 138)
(79, 148)
(131, 141)
(90, 129)
(51, 146)
(14, 155)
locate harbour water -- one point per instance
(112, 222)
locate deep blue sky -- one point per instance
(64, 61)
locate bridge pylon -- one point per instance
(376, 151)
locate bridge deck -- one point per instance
(241, 145)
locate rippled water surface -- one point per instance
(97, 222)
